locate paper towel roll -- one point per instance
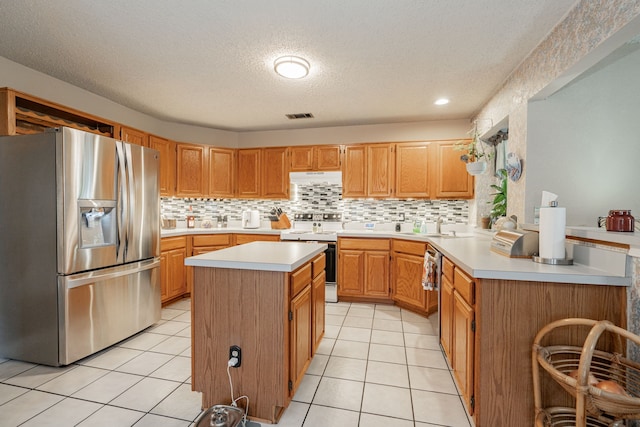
(552, 232)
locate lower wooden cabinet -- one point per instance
(300, 335)
(210, 242)
(241, 239)
(463, 347)
(457, 327)
(406, 277)
(173, 274)
(306, 317)
(446, 316)
(363, 268)
(318, 288)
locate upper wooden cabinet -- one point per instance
(452, 180)
(368, 170)
(22, 114)
(167, 151)
(134, 136)
(302, 158)
(249, 172)
(192, 170)
(380, 165)
(316, 158)
(328, 157)
(354, 175)
(275, 173)
(413, 169)
(431, 170)
(222, 171)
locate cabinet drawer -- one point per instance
(212, 240)
(408, 247)
(300, 278)
(364, 244)
(241, 239)
(169, 243)
(447, 269)
(204, 249)
(318, 264)
(464, 285)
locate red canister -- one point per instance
(620, 220)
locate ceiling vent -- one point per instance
(299, 116)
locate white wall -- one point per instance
(34, 83)
(414, 131)
(583, 143)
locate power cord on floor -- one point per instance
(234, 402)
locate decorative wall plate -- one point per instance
(514, 166)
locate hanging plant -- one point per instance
(474, 154)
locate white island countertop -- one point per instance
(264, 256)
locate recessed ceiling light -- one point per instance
(291, 67)
(442, 101)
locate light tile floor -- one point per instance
(378, 365)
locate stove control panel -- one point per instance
(328, 217)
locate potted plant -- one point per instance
(474, 155)
(499, 208)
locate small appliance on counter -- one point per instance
(168, 224)
(515, 243)
(251, 219)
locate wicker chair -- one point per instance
(594, 406)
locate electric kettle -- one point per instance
(251, 219)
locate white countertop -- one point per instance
(170, 232)
(264, 256)
(471, 253)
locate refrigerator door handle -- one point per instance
(123, 203)
(130, 196)
(82, 279)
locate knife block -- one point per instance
(282, 223)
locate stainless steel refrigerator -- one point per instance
(79, 244)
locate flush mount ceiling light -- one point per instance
(442, 101)
(291, 67)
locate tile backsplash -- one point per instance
(321, 198)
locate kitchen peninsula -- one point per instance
(268, 299)
(491, 307)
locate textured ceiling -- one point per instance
(210, 62)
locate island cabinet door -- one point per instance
(300, 336)
(318, 298)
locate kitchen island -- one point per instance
(267, 298)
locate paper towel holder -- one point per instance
(552, 261)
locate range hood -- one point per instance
(310, 178)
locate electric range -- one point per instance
(319, 227)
